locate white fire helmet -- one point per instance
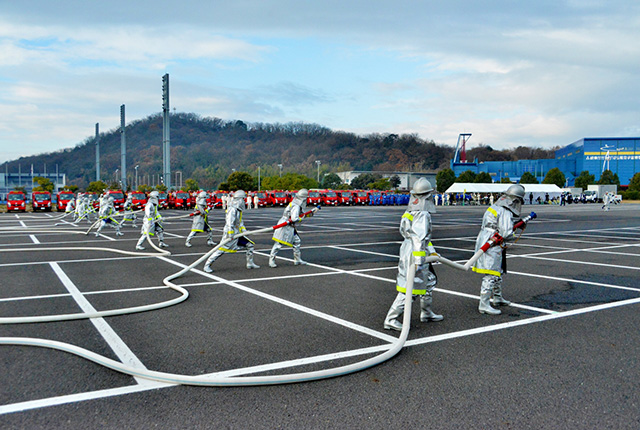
(421, 197)
(237, 201)
(301, 198)
(153, 197)
(202, 198)
(512, 199)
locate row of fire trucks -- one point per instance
(42, 200)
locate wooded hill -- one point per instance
(207, 149)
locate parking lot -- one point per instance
(563, 355)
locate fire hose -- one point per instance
(204, 380)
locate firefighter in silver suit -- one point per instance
(499, 218)
(152, 222)
(415, 227)
(234, 225)
(288, 235)
(200, 220)
(106, 214)
(129, 214)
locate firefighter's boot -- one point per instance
(397, 308)
(426, 314)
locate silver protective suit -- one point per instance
(201, 220)
(152, 223)
(288, 235)
(415, 228)
(71, 206)
(497, 218)
(129, 214)
(234, 225)
(106, 214)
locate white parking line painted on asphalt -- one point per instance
(114, 341)
(34, 239)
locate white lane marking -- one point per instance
(114, 341)
(73, 398)
(588, 263)
(288, 303)
(34, 239)
(577, 281)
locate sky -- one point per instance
(511, 73)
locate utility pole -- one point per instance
(123, 152)
(166, 141)
(97, 139)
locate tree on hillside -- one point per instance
(240, 181)
(362, 180)
(466, 176)
(395, 181)
(190, 185)
(483, 178)
(96, 187)
(380, 184)
(585, 179)
(609, 178)
(331, 181)
(555, 176)
(444, 179)
(528, 178)
(44, 184)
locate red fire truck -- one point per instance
(138, 199)
(179, 200)
(280, 198)
(314, 198)
(16, 201)
(41, 201)
(118, 198)
(330, 198)
(264, 199)
(62, 198)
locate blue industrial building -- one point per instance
(621, 155)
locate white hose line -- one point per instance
(184, 294)
(205, 380)
(394, 348)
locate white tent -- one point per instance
(536, 190)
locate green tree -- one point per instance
(609, 178)
(44, 184)
(380, 184)
(362, 180)
(96, 187)
(585, 179)
(72, 188)
(190, 185)
(555, 176)
(144, 188)
(444, 179)
(528, 178)
(331, 181)
(395, 181)
(466, 176)
(483, 178)
(634, 183)
(240, 181)
(161, 187)
(505, 180)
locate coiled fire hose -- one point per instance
(206, 380)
